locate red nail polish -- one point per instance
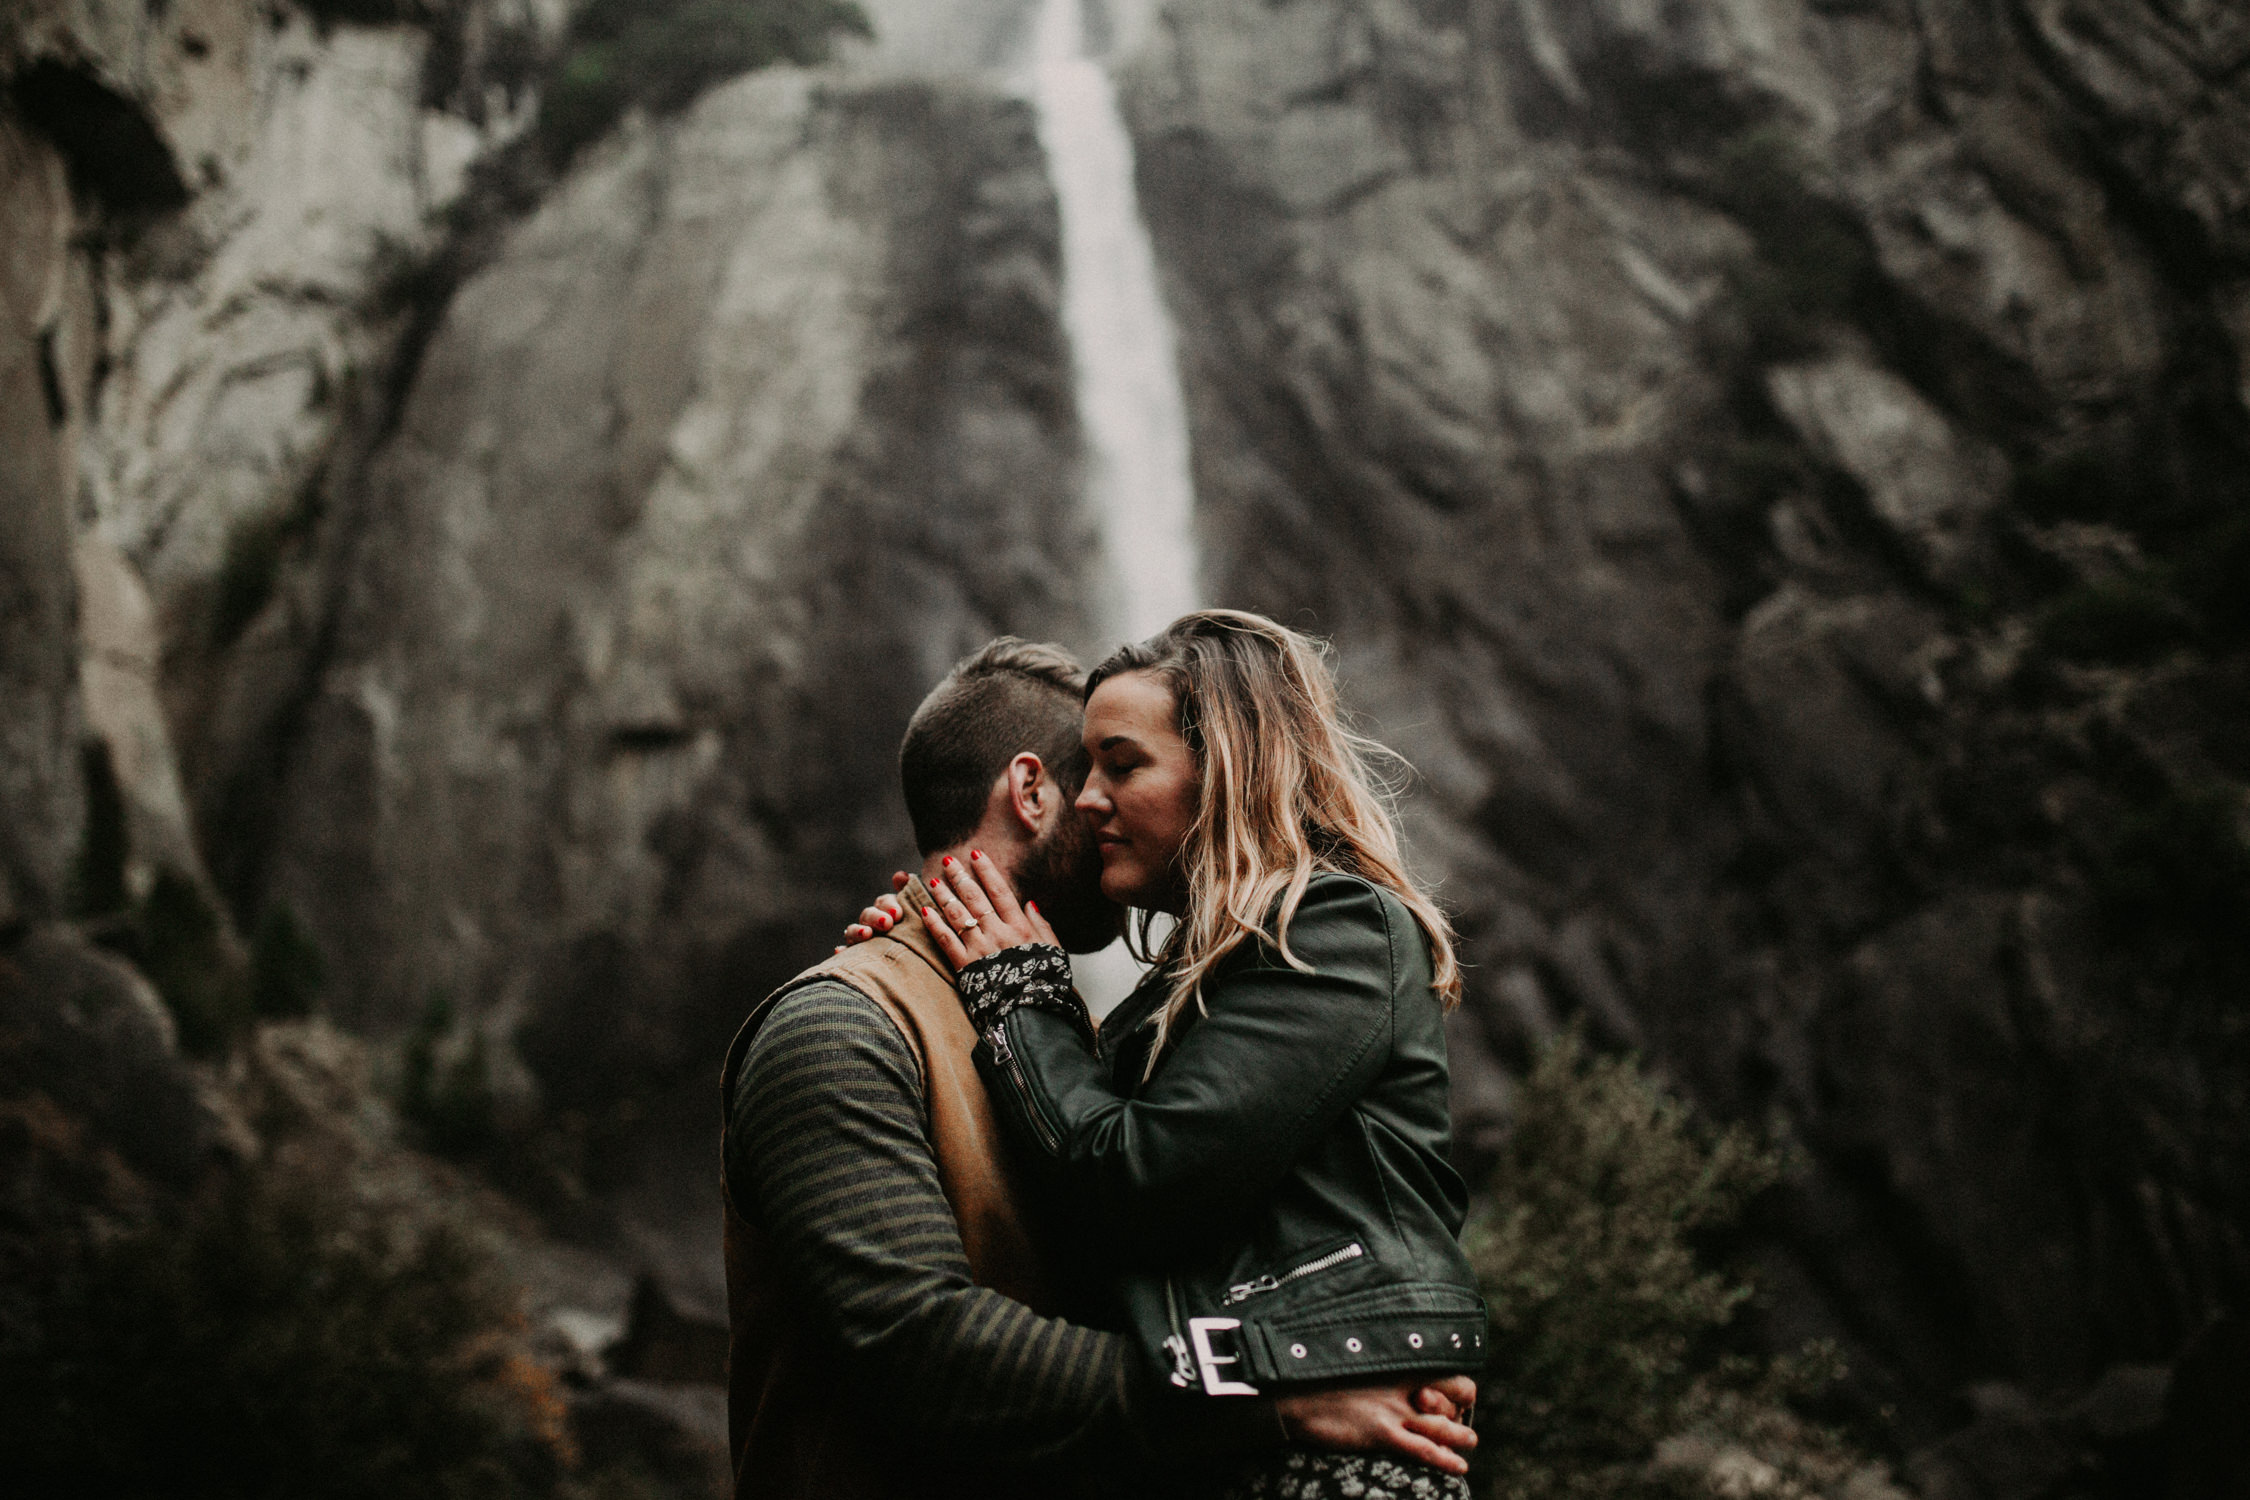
(949, 859)
(976, 854)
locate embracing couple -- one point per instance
(978, 1245)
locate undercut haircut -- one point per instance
(1011, 697)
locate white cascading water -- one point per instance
(1129, 401)
(1128, 381)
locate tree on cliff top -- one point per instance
(658, 55)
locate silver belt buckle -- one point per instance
(1208, 1360)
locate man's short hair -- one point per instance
(1012, 696)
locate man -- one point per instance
(895, 1328)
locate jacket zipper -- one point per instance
(1006, 1053)
(1183, 1363)
(1243, 1291)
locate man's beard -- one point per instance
(1062, 871)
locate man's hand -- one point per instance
(1418, 1420)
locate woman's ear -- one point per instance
(1030, 792)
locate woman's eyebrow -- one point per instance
(1113, 741)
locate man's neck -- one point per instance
(1005, 855)
(933, 865)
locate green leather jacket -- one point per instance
(1276, 1200)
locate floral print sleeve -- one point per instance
(1034, 975)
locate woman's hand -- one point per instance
(1421, 1421)
(976, 914)
(880, 918)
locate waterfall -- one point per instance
(1128, 380)
(1129, 402)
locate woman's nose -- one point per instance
(1091, 798)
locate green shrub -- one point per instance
(1813, 263)
(1604, 1314)
(287, 970)
(278, 1343)
(449, 1099)
(659, 55)
(2177, 863)
(366, 12)
(247, 575)
(2214, 576)
(179, 939)
(2122, 620)
(2193, 526)
(2077, 484)
(98, 875)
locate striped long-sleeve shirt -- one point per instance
(828, 1140)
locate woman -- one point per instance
(1257, 1140)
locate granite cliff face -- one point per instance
(755, 426)
(1778, 472)
(1776, 468)
(206, 202)
(522, 605)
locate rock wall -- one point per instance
(1717, 436)
(1777, 469)
(217, 222)
(39, 777)
(209, 208)
(540, 649)
(760, 421)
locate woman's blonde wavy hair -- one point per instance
(1287, 793)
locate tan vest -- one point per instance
(800, 1428)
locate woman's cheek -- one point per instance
(1119, 882)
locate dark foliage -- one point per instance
(287, 969)
(367, 12)
(445, 1089)
(98, 876)
(276, 1343)
(179, 939)
(658, 55)
(2189, 510)
(1814, 265)
(258, 546)
(2125, 620)
(1606, 1304)
(246, 578)
(2177, 865)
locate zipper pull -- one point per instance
(1244, 1290)
(1183, 1363)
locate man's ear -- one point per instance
(1031, 792)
